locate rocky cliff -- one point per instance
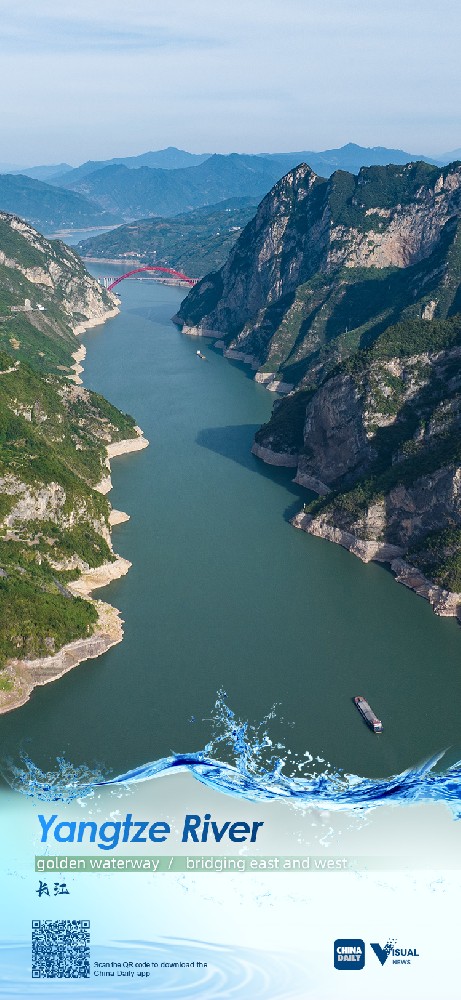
(350, 290)
(325, 265)
(46, 297)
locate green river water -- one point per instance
(224, 593)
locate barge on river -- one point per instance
(368, 714)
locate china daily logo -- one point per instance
(349, 953)
(400, 956)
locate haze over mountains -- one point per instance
(49, 208)
(164, 183)
(164, 159)
(133, 194)
(44, 173)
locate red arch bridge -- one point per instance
(110, 283)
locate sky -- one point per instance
(92, 79)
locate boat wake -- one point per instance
(242, 760)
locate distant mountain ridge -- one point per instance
(165, 159)
(146, 191)
(455, 154)
(43, 173)
(350, 157)
(153, 191)
(49, 208)
(163, 183)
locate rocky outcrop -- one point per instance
(60, 272)
(445, 603)
(304, 478)
(24, 675)
(350, 289)
(274, 457)
(117, 517)
(406, 489)
(100, 576)
(365, 550)
(116, 448)
(130, 444)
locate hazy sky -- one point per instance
(84, 79)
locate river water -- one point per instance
(224, 593)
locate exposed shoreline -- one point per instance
(26, 675)
(78, 356)
(89, 324)
(445, 603)
(114, 449)
(269, 380)
(279, 458)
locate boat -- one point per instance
(200, 355)
(368, 714)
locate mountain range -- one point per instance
(50, 208)
(147, 191)
(164, 183)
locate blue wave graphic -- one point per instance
(230, 972)
(255, 771)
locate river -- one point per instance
(225, 594)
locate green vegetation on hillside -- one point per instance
(196, 242)
(42, 336)
(438, 556)
(376, 188)
(37, 615)
(53, 438)
(57, 432)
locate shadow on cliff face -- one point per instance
(234, 442)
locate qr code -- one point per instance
(60, 949)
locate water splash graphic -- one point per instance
(242, 760)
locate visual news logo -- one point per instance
(349, 953)
(400, 956)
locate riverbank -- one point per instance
(269, 380)
(23, 676)
(97, 320)
(115, 449)
(444, 603)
